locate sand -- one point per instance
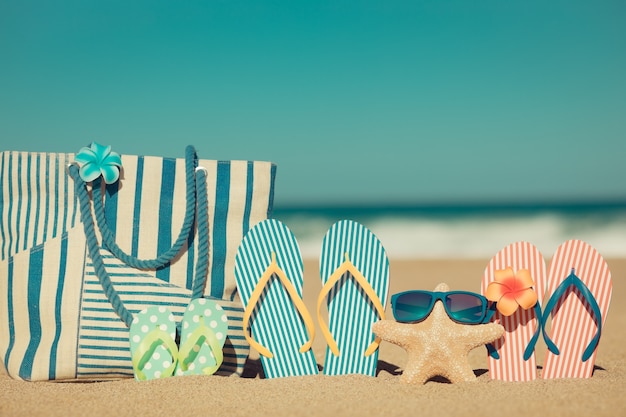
(354, 395)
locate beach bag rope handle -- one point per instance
(161, 260)
(94, 248)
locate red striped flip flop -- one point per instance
(512, 358)
(580, 285)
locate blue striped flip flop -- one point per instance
(203, 334)
(268, 271)
(355, 277)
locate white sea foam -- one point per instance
(406, 237)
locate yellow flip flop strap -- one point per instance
(348, 266)
(293, 293)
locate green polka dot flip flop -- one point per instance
(153, 350)
(203, 333)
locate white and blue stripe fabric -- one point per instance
(350, 311)
(145, 209)
(56, 323)
(147, 217)
(37, 200)
(275, 322)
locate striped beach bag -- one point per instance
(79, 260)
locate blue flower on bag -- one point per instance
(99, 160)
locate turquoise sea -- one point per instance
(466, 230)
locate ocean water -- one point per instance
(466, 231)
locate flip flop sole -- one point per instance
(160, 359)
(522, 324)
(573, 323)
(202, 312)
(351, 314)
(275, 322)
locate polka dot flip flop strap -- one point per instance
(153, 350)
(203, 333)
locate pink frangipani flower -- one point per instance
(510, 290)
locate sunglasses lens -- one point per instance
(412, 306)
(465, 308)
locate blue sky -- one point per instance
(356, 102)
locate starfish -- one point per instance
(437, 346)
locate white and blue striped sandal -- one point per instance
(268, 271)
(355, 276)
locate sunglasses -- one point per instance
(462, 306)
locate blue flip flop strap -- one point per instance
(533, 341)
(188, 354)
(573, 280)
(491, 350)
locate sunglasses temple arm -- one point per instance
(491, 350)
(491, 310)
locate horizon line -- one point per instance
(441, 206)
